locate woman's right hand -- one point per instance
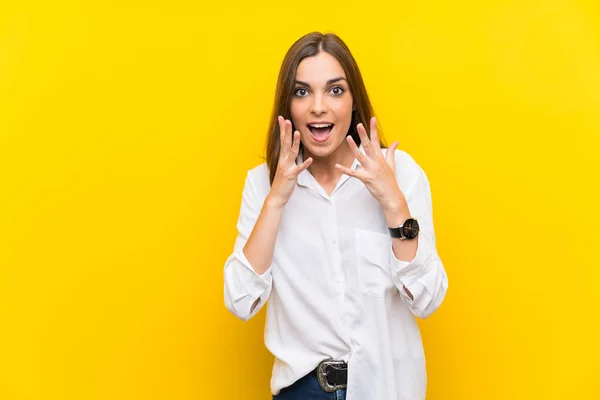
(287, 170)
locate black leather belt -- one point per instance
(332, 375)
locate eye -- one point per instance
(337, 91)
(298, 91)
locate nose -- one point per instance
(319, 105)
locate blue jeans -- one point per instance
(307, 388)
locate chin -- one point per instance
(318, 152)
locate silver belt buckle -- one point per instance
(322, 377)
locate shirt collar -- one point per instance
(305, 178)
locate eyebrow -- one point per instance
(329, 82)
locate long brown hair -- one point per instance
(307, 46)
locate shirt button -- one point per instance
(334, 241)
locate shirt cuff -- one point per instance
(408, 272)
(249, 280)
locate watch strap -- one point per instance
(396, 232)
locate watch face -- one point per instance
(410, 228)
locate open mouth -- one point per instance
(320, 132)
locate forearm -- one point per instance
(395, 215)
(260, 246)
(405, 250)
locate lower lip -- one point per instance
(321, 139)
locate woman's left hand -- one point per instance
(378, 173)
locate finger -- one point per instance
(280, 122)
(375, 136)
(287, 135)
(281, 130)
(290, 132)
(364, 139)
(305, 164)
(347, 171)
(296, 144)
(357, 153)
(390, 156)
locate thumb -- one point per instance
(305, 164)
(391, 153)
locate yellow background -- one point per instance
(126, 129)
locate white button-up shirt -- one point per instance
(335, 287)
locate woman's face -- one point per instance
(321, 104)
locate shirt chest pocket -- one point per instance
(373, 263)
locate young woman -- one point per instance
(336, 231)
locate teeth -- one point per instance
(320, 125)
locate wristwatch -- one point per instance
(408, 230)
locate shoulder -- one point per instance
(258, 178)
(405, 163)
(259, 173)
(408, 171)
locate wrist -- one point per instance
(396, 212)
(395, 220)
(274, 202)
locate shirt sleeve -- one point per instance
(424, 276)
(245, 290)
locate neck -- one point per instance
(323, 168)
